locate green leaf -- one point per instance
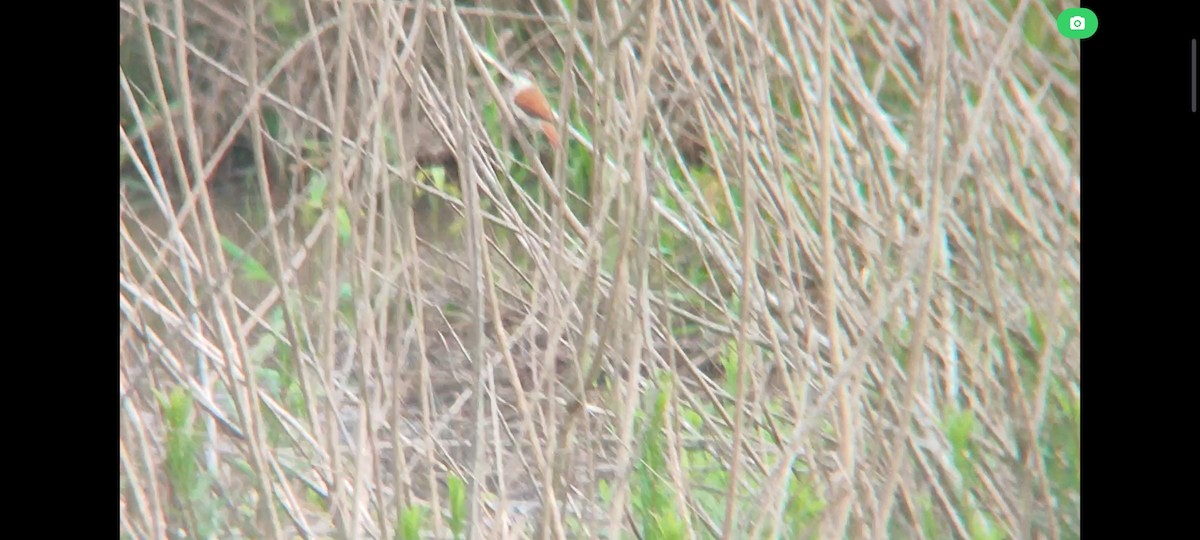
(275, 318)
(177, 407)
(273, 122)
(458, 503)
(280, 12)
(251, 268)
(805, 506)
(181, 443)
(410, 523)
(243, 466)
(316, 190)
(438, 176)
(960, 425)
(1037, 333)
(982, 528)
(271, 380)
(493, 41)
(729, 361)
(343, 224)
(492, 120)
(928, 518)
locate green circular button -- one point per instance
(1077, 23)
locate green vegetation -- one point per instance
(660, 287)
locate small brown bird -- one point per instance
(531, 105)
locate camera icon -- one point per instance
(1077, 23)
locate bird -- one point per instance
(530, 105)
